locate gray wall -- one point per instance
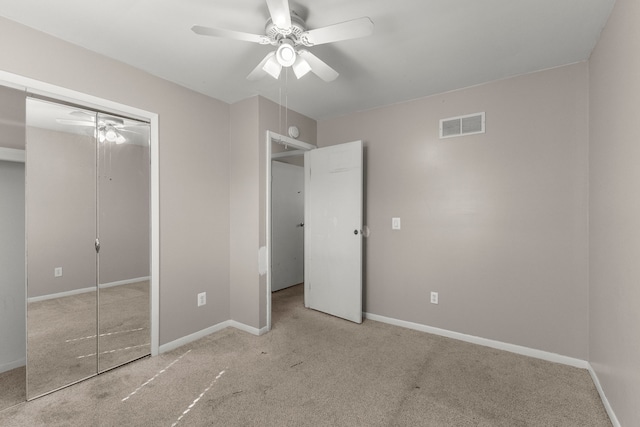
(194, 170)
(615, 211)
(496, 223)
(244, 211)
(61, 212)
(12, 293)
(124, 224)
(250, 120)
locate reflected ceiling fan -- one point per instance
(109, 128)
(286, 30)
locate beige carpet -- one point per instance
(317, 370)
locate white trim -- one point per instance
(12, 155)
(285, 154)
(123, 282)
(194, 336)
(61, 294)
(525, 351)
(247, 328)
(603, 397)
(272, 137)
(13, 365)
(285, 140)
(208, 331)
(57, 92)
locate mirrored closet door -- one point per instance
(88, 243)
(124, 238)
(12, 249)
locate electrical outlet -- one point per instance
(202, 298)
(57, 272)
(395, 223)
(434, 297)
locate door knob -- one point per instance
(355, 232)
(300, 225)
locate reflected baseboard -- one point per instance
(124, 282)
(13, 365)
(88, 289)
(61, 294)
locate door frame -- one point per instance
(301, 147)
(37, 87)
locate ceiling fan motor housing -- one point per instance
(293, 33)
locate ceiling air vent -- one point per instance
(462, 125)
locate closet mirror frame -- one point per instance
(63, 95)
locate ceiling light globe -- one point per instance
(111, 135)
(286, 54)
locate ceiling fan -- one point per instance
(286, 30)
(109, 128)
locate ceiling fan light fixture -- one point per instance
(286, 54)
(301, 67)
(110, 134)
(273, 67)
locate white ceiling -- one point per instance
(418, 48)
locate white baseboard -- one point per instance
(12, 365)
(208, 331)
(249, 329)
(194, 336)
(603, 397)
(525, 351)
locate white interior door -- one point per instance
(333, 224)
(287, 234)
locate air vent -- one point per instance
(462, 125)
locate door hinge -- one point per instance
(97, 245)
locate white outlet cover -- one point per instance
(202, 298)
(434, 298)
(395, 223)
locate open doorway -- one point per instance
(285, 214)
(287, 223)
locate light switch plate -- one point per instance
(395, 223)
(202, 298)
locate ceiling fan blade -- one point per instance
(259, 72)
(230, 34)
(319, 67)
(75, 122)
(280, 13)
(81, 113)
(355, 28)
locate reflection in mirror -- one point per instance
(61, 264)
(12, 248)
(124, 234)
